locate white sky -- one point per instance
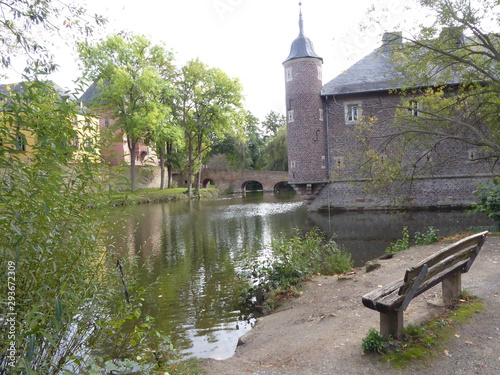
(247, 39)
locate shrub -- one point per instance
(290, 261)
(401, 244)
(489, 197)
(428, 237)
(373, 342)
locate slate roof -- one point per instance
(375, 72)
(302, 45)
(20, 86)
(90, 95)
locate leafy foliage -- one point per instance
(426, 238)
(489, 196)
(276, 151)
(448, 83)
(208, 108)
(291, 261)
(132, 80)
(373, 342)
(401, 244)
(29, 28)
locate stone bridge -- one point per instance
(236, 181)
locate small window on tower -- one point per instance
(290, 116)
(320, 114)
(289, 74)
(320, 73)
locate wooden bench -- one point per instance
(445, 266)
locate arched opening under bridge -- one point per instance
(252, 186)
(207, 183)
(284, 188)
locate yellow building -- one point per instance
(50, 112)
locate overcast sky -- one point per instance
(247, 39)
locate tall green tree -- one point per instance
(272, 123)
(276, 151)
(243, 153)
(131, 75)
(208, 108)
(168, 139)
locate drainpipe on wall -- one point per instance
(328, 163)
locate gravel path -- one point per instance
(320, 333)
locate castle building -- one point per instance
(337, 137)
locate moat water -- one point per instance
(188, 254)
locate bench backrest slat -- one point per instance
(448, 263)
(469, 242)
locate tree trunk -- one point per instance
(161, 152)
(132, 165)
(190, 167)
(169, 177)
(198, 181)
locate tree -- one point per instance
(447, 97)
(169, 141)
(209, 108)
(29, 29)
(243, 153)
(452, 83)
(272, 123)
(56, 287)
(276, 151)
(131, 76)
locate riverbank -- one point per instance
(155, 195)
(321, 332)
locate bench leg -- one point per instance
(391, 323)
(452, 287)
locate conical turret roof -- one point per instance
(302, 45)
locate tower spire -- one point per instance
(301, 21)
(302, 46)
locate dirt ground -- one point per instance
(320, 333)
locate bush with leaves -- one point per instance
(426, 238)
(290, 261)
(56, 264)
(489, 199)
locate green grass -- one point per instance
(424, 341)
(143, 196)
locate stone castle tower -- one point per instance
(306, 131)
